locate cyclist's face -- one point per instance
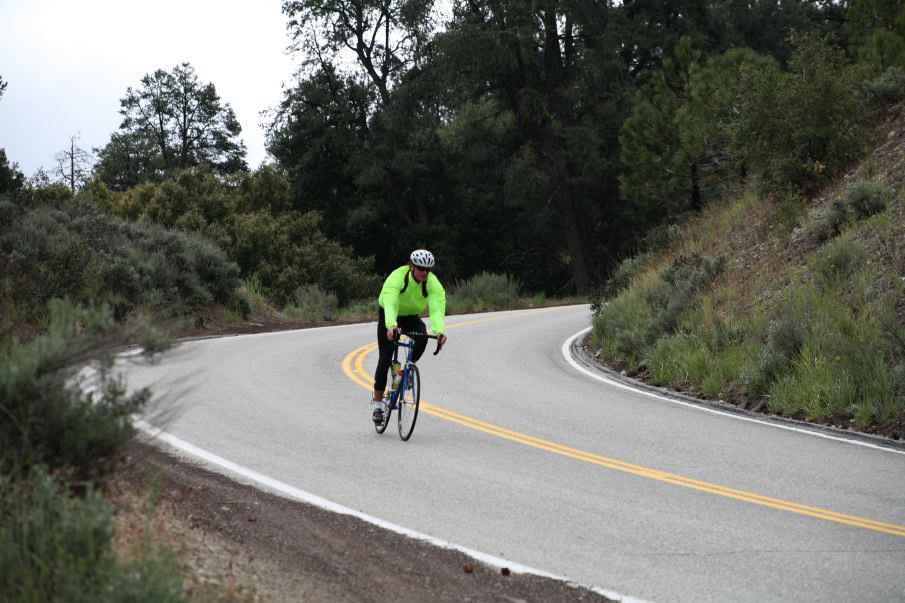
(420, 273)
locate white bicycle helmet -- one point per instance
(422, 258)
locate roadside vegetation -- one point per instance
(758, 157)
(787, 297)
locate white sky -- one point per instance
(68, 62)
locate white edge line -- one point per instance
(328, 505)
(568, 356)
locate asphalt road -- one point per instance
(518, 454)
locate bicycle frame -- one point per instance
(397, 398)
(409, 345)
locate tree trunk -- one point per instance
(555, 77)
(696, 203)
(573, 242)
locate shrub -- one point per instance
(882, 390)
(78, 252)
(256, 301)
(867, 197)
(889, 87)
(624, 274)
(45, 414)
(828, 224)
(56, 547)
(364, 309)
(484, 291)
(660, 237)
(252, 221)
(637, 317)
(724, 373)
(790, 208)
(289, 251)
(312, 303)
(686, 278)
(715, 330)
(786, 334)
(800, 128)
(836, 262)
(620, 329)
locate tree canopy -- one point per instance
(543, 140)
(172, 121)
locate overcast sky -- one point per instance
(69, 62)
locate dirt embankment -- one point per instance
(237, 543)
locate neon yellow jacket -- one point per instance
(412, 301)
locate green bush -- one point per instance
(312, 303)
(77, 251)
(251, 219)
(660, 237)
(254, 296)
(636, 318)
(289, 251)
(786, 333)
(685, 279)
(889, 87)
(484, 291)
(56, 547)
(829, 355)
(798, 129)
(621, 328)
(627, 270)
(46, 415)
(835, 263)
(867, 197)
(790, 209)
(363, 309)
(860, 200)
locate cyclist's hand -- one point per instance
(391, 333)
(441, 340)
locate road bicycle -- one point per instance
(405, 391)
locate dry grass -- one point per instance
(214, 569)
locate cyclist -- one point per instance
(405, 294)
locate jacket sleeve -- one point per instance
(389, 296)
(436, 303)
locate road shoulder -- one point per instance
(260, 546)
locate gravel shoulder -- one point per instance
(238, 543)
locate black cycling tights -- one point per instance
(406, 323)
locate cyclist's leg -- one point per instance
(416, 325)
(385, 348)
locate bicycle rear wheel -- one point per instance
(381, 427)
(409, 398)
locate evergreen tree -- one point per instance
(172, 122)
(662, 178)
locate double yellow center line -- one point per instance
(353, 367)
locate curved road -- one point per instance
(518, 454)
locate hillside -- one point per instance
(785, 305)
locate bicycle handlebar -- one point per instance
(416, 334)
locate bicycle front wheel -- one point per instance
(408, 402)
